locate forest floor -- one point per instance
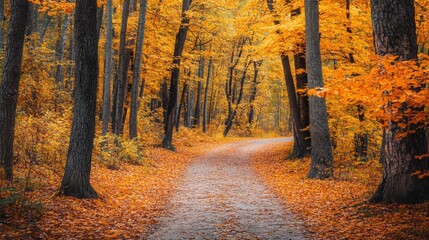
(130, 198)
(339, 208)
(210, 189)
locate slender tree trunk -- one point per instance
(322, 164)
(174, 83)
(301, 85)
(182, 102)
(142, 88)
(2, 25)
(256, 66)
(300, 148)
(107, 68)
(206, 93)
(197, 120)
(399, 154)
(76, 180)
(137, 69)
(122, 72)
(59, 75)
(164, 100)
(10, 85)
(47, 21)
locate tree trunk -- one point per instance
(197, 119)
(2, 25)
(122, 71)
(10, 85)
(44, 28)
(59, 75)
(76, 180)
(175, 72)
(137, 69)
(206, 93)
(399, 155)
(256, 66)
(300, 148)
(322, 164)
(164, 100)
(30, 19)
(107, 68)
(301, 85)
(179, 110)
(100, 12)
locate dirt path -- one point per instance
(221, 198)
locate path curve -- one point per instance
(222, 198)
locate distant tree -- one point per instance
(395, 34)
(175, 72)
(76, 180)
(107, 68)
(322, 163)
(137, 69)
(9, 87)
(119, 93)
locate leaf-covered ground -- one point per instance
(337, 209)
(130, 199)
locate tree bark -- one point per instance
(175, 72)
(301, 85)
(395, 34)
(107, 68)
(254, 88)
(322, 163)
(206, 93)
(137, 69)
(2, 25)
(197, 119)
(300, 148)
(10, 84)
(76, 180)
(59, 75)
(122, 72)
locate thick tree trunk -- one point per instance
(10, 84)
(206, 93)
(122, 72)
(399, 155)
(100, 12)
(137, 69)
(59, 74)
(107, 68)
(30, 20)
(76, 180)
(175, 72)
(322, 164)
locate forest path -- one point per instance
(222, 198)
